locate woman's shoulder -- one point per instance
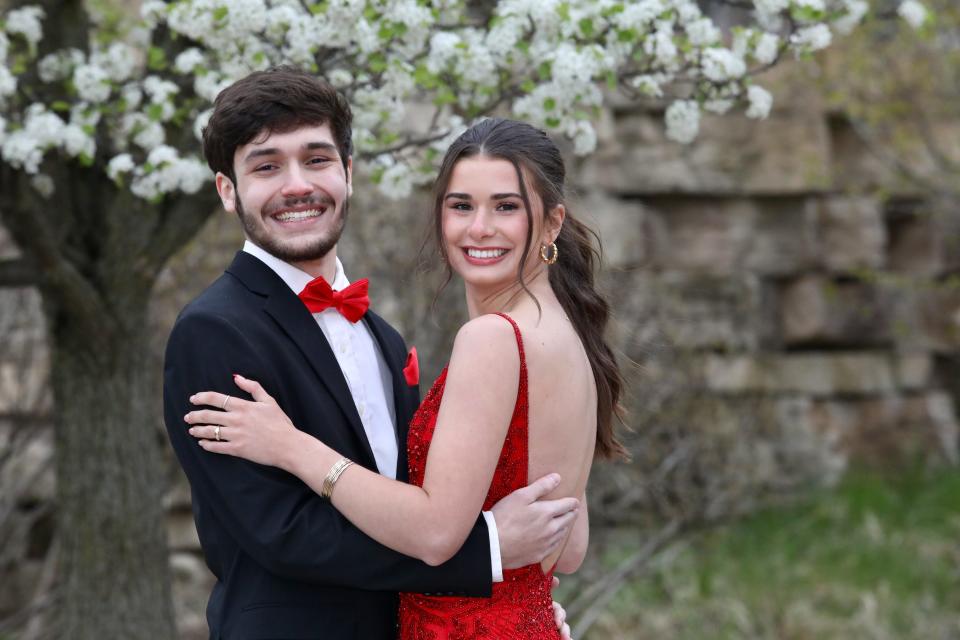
(489, 337)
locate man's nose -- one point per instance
(296, 183)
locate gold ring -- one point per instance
(216, 432)
(223, 407)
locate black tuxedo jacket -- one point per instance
(287, 564)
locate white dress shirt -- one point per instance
(368, 377)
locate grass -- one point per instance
(875, 558)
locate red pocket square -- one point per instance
(411, 372)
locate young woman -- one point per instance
(531, 388)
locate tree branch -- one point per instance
(17, 272)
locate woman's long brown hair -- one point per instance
(529, 150)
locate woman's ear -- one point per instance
(554, 222)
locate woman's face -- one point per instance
(484, 223)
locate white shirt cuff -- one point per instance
(496, 564)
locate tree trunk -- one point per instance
(114, 571)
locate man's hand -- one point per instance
(530, 529)
(560, 616)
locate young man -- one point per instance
(287, 564)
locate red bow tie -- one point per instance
(351, 302)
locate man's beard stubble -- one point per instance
(313, 251)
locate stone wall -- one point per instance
(774, 291)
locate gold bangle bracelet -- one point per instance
(326, 491)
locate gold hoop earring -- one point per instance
(554, 253)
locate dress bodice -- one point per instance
(520, 607)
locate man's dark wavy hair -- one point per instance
(277, 100)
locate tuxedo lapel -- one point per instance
(293, 318)
(401, 403)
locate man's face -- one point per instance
(291, 192)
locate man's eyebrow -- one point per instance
(256, 153)
(270, 151)
(311, 146)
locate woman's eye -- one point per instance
(460, 206)
(507, 206)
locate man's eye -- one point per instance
(266, 167)
(318, 160)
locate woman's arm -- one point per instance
(576, 550)
(432, 522)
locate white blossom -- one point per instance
(152, 11)
(854, 12)
(703, 32)
(119, 61)
(913, 12)
(121, 163)
(158, 89)
(132, 96)
(150, 135)
(760, 102)
(660, 45)
(812, 38)
(584, 138)
(92, 83)
(770, 7)
(815, 5)
(4, 47)
(3, 129)
(200, 122)
(718, 105)
(60, 64)
(25, 22)
(76, 142)
(396, 181)
(721, 65)
(8, 84)
(43, 184)
(767, 48)
(683, 121)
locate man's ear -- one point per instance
(349, 176)
(227, 192)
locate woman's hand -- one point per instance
(256, 430)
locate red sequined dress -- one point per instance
(521, 605)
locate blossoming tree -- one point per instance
(101, 180)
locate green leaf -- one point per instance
(552, 122)
(444, 96)
(320, 7)
(220, 13)
(378, 63)
(612, 79)
(89, 129)
(549, 104)
(424, 78)
(156, 59)
(545, 70)
(563, 9)
(586, 27)
(60, 105)
(626, 35)
(528, 86)
(85, 160)
(376, 176)
(155, 112)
